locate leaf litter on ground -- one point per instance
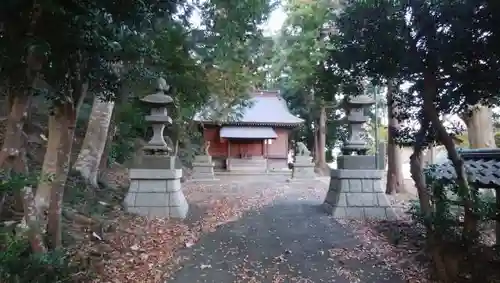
(145, 250)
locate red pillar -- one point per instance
(228, 160)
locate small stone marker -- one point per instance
(356, 189)
(155, 178)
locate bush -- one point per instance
(130, 125)
(19, 265)
(448, 205)
(497, 139)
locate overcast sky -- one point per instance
(272, 26)
(276, 20)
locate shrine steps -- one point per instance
(252, 173)
(257, 165)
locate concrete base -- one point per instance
(303, 168)
(357, 194)
(203, 168)
(156, 193)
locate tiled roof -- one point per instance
(481, 172)
(482, 167)
(265, 110)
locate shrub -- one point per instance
(19, 265)
(448, 206)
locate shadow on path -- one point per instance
(288, 241)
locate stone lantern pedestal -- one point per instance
(303, 168)
(155, 178)
(356, 189)
(203, 168)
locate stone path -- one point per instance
(288, 241)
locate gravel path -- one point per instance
(291, 240)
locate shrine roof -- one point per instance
(264, 108)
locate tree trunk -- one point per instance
(65, 120)
(103, 165)
(316, 147)
(480, 130)
(12, 155)
(470, 232)
(32, 221)
(124, 94)
(434, 244)
(94, 143)
(12, 144)
(49, 167)
(321, 155)
(481, 134)
(42, 196)
(17, 162)
(395, 178)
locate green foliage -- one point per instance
(302, 71)
(497, 139)
(89, 36)
(17, 262)
(14, 182)
(19, 265)
(427, 41)
(130, 126)
(448, 205)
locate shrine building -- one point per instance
(258, 140)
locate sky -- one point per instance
(272, 26)
(276, 20)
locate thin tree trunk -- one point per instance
(42, 196)
(104, 163)
(395, 178)
(430, 111)
(13, 148)
(316, 146)
(33, 221)
(49, 167)
(65, 120)
(321, 155)
(124, 94)
(14, 129)
(426, 207)
(94, 143)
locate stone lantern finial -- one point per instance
(161, 85)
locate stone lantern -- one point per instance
(355, 148)
(355, 109)
(356, 189)
(155, 181)
(158, 118)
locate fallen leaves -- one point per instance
(142, 250)
(145, 250)
(401, 257)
